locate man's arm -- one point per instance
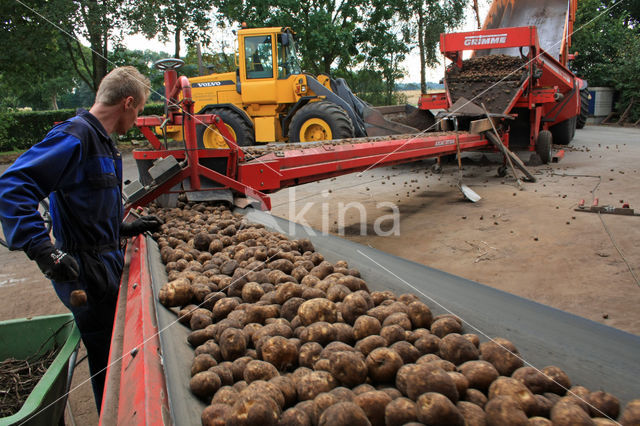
(33, 176)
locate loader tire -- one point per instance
(563, 133)
(544, 145)
(320, 121)
(584, 109)
(210, 137)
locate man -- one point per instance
(79, 168)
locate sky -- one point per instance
(411, 64)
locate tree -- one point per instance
(177, 18)
(431, 18)
(608, 45)
(33, 64)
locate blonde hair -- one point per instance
(123, 82)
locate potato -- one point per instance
(322, 270)
(457, 349)
(579, 395)
(225, 395)
(280, 352)
(261, 387)
(507, 386)
(479, 373)
(322, 402)
(392, 333)
(407, 351)
(184, 315)
(391, 391)
(398, 318)
(444, 326)
(308, 407)
(473, 338)
(176, 293)
(434, 408)
(223, 306)
(349, 368)
(428, 344)
(383, 364)
(200, 318)
(373, 404)
(290, 308)
(366, 345)
(543, 406)
(202, 362)
(209, 347)
(315, 383)
(400, 411)
(461, 382)
(253, 409)
(365, 326)
(215, 415)
(198, 337)
(294, 417)
(322, 364)
(287, 388)
(344, 413)
(317, 310)
(472, 414)
(502, 354)
(309, 354)
(505, 410)
(321, 332)
(237, 368)
(252, 292)
(365, 387)
(344, 333)
(343, 394)
(233, 344)
(205, 384)
(532, 378)
(475, 397)
(557, 380)
(631, 414)
(338, 347)
(430, 379)
(337, 293)
(567, 412)
(539, 421)
(380, 296)
(223, 370)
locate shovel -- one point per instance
(468, 193)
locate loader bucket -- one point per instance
(377, 125)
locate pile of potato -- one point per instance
(284, 337)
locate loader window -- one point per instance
(258, 56)
(287, 58)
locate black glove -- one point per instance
(140, 225)
(56, 264)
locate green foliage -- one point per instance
(22, 129)
(608, 44)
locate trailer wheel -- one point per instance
(563, 133)
(543, 146)
(210, 137)
(320, 121)
(584, 109)
(502, 171)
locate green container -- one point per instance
(22, 338)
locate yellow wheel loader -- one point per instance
(269, 99)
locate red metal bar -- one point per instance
(293, 167)
(142, 394)
(489, 39)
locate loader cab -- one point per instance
(265, 50)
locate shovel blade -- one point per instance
(469, 193)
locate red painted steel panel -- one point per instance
(142, 394)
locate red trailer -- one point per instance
(516, 71)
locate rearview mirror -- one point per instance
(285, 39)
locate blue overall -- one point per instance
(79, 168)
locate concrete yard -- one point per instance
(528, 242)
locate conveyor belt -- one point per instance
(592, 354)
